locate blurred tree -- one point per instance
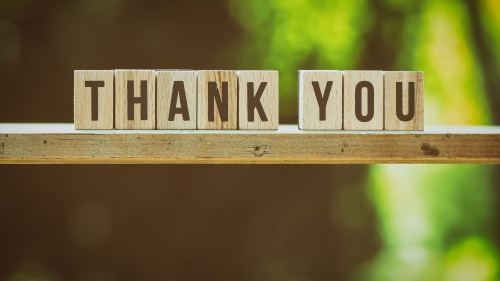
(421, 208)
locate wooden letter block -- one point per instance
(320, 100)
(135, 99)
(217, 100)
(364, 100)
(93, 99)
(176, 99)
(404, 100)
(258, 107)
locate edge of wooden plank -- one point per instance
(68, 128)
(60, 143)
(245, 161)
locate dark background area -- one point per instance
(184, 223)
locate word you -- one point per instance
(361, 100)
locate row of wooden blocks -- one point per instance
(361, 100)
(246, 100)
(176, 99)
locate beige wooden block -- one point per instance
(217, 100)
(176, 99)
(135, 99)
(320, 100)
(93, 90)
(404, 100)
(258, 96)
(363, 100)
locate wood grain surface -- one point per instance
(220, 77)
(61, 143)
(137, 77)
(391, 121)
(83, 99)
(354, 80)
(165, 81)
(269, 99)
(309, 109)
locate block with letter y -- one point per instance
(320, 100)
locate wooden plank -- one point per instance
(258, 95)
(404, 100)
(135, 99)
(217, 100)
(176, 99)
(61, 143)
(320, 100)
(93, 99)
(363, 100)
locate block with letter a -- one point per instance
(176, 99)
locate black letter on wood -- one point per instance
(142, 100)
(222, 102)
(322, 99)
(254, 101)
(178, 91)
(94, 99)
(357, 101)
(399, 101)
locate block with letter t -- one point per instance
(93, 90)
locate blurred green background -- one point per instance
(196, 222)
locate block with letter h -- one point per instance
(361, 100)
(176, 99)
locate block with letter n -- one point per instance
(217, 100)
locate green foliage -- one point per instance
(433, 220)
(286, 35)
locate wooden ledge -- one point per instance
(60, 143)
